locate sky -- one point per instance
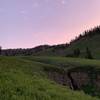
(28, 23)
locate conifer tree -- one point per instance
(88, 53)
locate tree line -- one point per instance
(54, 48)
(87, 34)
(77, 53)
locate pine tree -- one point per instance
(88, 53)
(77, 52)
(0, 50)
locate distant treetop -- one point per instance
(87, 33)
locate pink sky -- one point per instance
(28, 23)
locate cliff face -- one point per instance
(80, 79)
(75, 80)
(61, 78)
(87, 81)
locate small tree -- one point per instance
(0, 50)
(88, 54)
(77, 52)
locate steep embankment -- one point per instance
(22, 79)
(78, 74)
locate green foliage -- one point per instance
(91, 40)
(76, 48)
(64, 64)
(77, 52)
(67, 62)
(88, 54)
(24, 79)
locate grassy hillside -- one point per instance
(93, 43)
(90, 39)
(84, 69)
(64, 61)
(23, 78)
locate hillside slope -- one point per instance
(78, 74)
(93, 43)
(24, 79)
(90, 39)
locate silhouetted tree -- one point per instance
(0, 50)
(87, 34)
(88, 54)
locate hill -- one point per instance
(25, 78)
(89, 39)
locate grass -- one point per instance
(65, 61)
(64, 65)
(24, 79)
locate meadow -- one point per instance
(23, 78)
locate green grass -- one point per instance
(24, 79)
(65, 61)
(65, 65)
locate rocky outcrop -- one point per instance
(60, 78)
(87, 80)
(80, 79)
(75, 80)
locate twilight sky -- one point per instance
(28, 23)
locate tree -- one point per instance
(0, 50)
(88, 54)
(77, 52)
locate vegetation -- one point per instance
(76, 48)
(77, 52)
(0, 50)
(24, 79)
(88, 54)
(65, 65)
(64, 61)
